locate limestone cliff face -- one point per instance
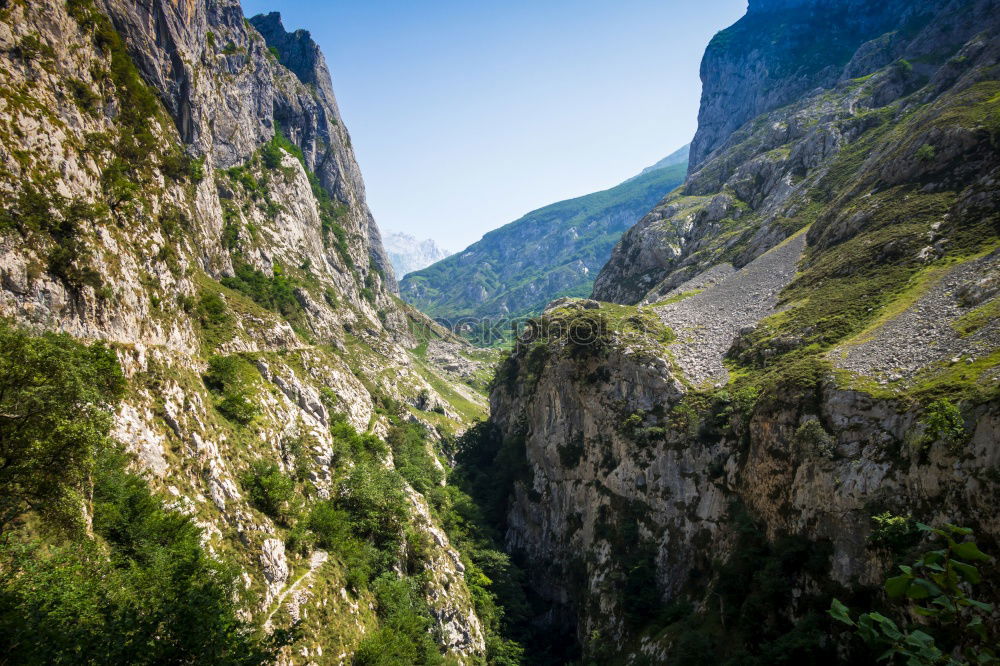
(227, 94)
(783, 49)
(149, 200)
(625, 468)
(750, 181)
(814, 273)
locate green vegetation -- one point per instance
(53, 418)
(584, 334)
(943, 421)
(231, 378)
(926, 153)
(330, 211)
(897, 533)
(275, 292)
(135, 588)
(269, 490)
(747, 621)
(519, 268)
(976, 318)
(63, 222)
(404, 636)
(937, 589)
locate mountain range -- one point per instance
(770, 435)
(555, 251)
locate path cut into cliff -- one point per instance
(708, 322)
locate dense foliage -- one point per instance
(54, 416)
(137, 587)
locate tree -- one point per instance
(142, 590)
(56, 397)
(937, 588)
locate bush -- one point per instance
(926, 153)
(269, 490)
(943, 422)
(374, 498)
(176, 164)
(214, 316)
(412, 458)
(404, 637)
(84, 96)
(937, 589)
(276, 293)
(55, 413)
(894, 532)
(813, 437)
(237, 407)
(231, 376)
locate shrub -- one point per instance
(894, 532)
(213, 311)
(937, 589)
(332, 526)
(269, 489)
(926, 153)
(943, 421)
(276, 293)
(237, 407)
(812, 436)
(412, 459)
(230, 376)
(137, 587)
(55, 398)
(30, 47)
(374, 498)
(404, 637)
(175, 164)
(271, 154)
(298, 455)
(84, 96)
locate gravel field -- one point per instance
(707, 323)
(924, 334)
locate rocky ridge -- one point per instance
(554, 251)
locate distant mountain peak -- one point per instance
(408, 253)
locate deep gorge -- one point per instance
(226, 438)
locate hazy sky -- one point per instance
(467, 114)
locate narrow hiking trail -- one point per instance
(316, 560)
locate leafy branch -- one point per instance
(937, 588)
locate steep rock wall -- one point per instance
(814, 273)
(148, 203)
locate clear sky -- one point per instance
(467, 114)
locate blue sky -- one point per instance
(467, 114)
